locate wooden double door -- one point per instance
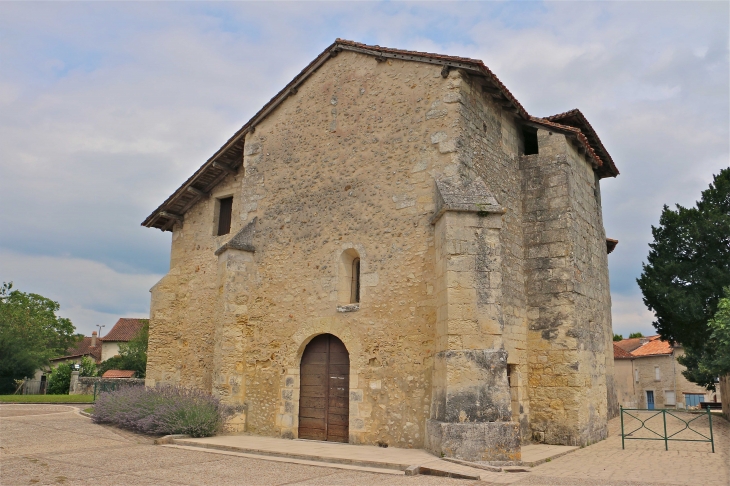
(324, 408)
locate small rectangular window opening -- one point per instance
(657, 374)
(355, 285)
(530, 136)
(224, 215)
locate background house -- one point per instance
(123, 331)
(87, 346)
(647, 375)
(96, 348)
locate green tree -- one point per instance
(688, 266)
(87, 367)
(30, 334)
(59, 380)
(132, 355)
(714, 360)
(635, 335)
(618, 337)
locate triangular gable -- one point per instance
(229, 157)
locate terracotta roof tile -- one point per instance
(575, 118)
(654, 347)
(125, 329)
(230, 154)
(83, 348)
(119, 374)
(629, 345)
(619, 353)
(611, 244)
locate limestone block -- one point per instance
(483, 441)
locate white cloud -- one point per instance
(108, 107)
(630, 315)
(89, 292)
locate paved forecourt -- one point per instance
(54, 444)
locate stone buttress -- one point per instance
(236, 271)
(471, 405)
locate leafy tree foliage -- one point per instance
(618, 337)
(30, 334)
(132, 355)
(87, 367)
(635, 335)
(714, 359)
(688, 266)
(59, 380)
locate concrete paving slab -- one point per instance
(534, 454)
(357, 455)
(291, 461)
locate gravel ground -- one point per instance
(53, 444)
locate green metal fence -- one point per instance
(663, 435)
(108, 386)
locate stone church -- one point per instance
(393, 251)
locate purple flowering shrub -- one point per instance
(164, 409)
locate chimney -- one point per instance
(93, 339)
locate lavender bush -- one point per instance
(162, 410)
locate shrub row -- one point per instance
(164, 409)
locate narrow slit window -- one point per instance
(225, 210)
(355, 284)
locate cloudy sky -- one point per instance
(106, 108)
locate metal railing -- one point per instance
(664, 436)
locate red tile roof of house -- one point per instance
(230, 156)
(83, 348)
(641, 347)
(125, 329)
(629, 344)
(619, 353)
(654, 347)
(119, 374)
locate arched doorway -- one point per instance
(324, 406)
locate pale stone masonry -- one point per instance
(406, 204)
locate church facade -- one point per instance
(394, 251)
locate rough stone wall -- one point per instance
(489, 146)
(84, 385)
(184, 302)
(349, 162)
(569, 334)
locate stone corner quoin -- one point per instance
(411, 209)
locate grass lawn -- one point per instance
(46, 398)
